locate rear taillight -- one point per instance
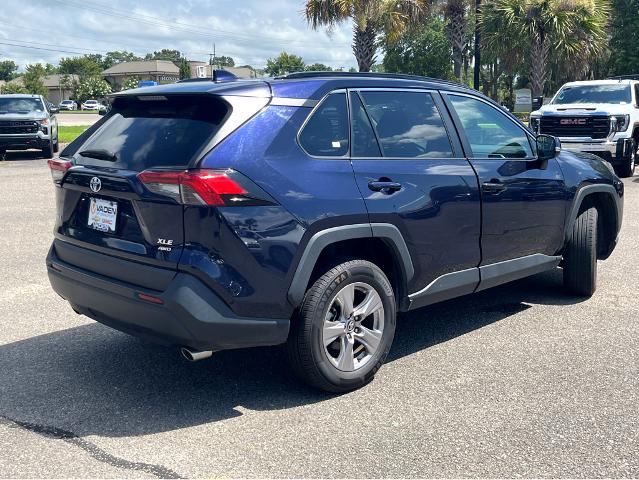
(204, 187)
(58, 168)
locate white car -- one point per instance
(597, 116)
(90, 105)
(68, 105)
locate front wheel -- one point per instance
(48, 151)
(627, 168)
(345, 327)
(580, 257)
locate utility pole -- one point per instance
(212, 59)
(477, 45)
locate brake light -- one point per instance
(58, 168)
(198, 187)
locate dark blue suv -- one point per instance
(309, 210)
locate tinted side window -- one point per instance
(326, 132)
(363, 136)
(491, 134)
(637, 94)
(408, 124)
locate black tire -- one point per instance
(627, 169)
(47, 152)
(56, 146)
(305, 348)
(580, 257)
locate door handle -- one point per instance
(493, 186)
(387, 187)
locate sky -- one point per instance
(250, 31)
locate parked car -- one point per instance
(90, 105)
(68, 105)
(28, 121)
(309, 210)
(599, 117)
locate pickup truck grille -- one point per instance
(580, 126)
(18, 127)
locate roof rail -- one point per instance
(400, 76)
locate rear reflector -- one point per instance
(150, 298)
(196, 187)
(58, 168)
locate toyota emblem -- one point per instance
(95, 184)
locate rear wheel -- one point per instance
(580, 258)
(345, 327)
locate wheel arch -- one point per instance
(604, 199)
(380, 243)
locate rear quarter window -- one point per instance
(160, 131)
(326, 131)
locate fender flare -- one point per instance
(581, 194)
(320, 240)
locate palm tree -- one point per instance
(456, 17)
(369, 17)
(563, 28)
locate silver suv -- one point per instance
(28, 121)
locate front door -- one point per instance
(523, 198)
(411, 171)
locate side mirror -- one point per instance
(548, 147)
(53, 110)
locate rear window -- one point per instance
(158, 131)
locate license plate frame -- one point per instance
(103, 215)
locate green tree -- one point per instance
(284, 63)
(624, 41)
(165, 54)
(12, 87)
(560, 28)
(130, 83)
(185, 69)
(115, 57)
(92, 88)
(370, 18)
(84, 66)
(32, 79)
(8, 69)
(224, 61)
(318, 67)
(423, 50)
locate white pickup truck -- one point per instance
(599, 117)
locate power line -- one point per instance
(184, 27)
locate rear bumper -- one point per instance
(191, 314)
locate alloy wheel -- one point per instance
(353, 326)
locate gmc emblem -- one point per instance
(573, 121)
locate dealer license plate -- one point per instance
(103, 215)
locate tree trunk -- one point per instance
(456, 25)
(364, 46)
(540, 51)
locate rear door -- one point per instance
(103, 204)
(411, 171)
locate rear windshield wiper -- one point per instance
(100, 154)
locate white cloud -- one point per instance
(250, 31)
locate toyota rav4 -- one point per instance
(309, 210)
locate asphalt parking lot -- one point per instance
(516, 381)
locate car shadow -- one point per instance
(92, 380)
(16, 155)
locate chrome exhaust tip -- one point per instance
(195, 355)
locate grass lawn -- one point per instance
(67, 134)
